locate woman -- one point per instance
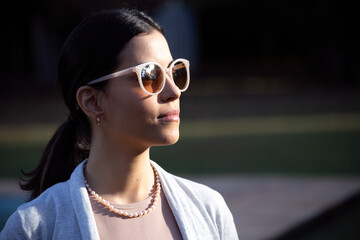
(122, 88)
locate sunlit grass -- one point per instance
(311, 144)
(34, 134)
(39, 134)
(302, 153)
(270, 125)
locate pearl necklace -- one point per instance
(124, 213)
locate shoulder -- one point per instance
(199, 190)
(54, 196)
(203, 197)
(203, 207)
(35, 219)
(197, 193)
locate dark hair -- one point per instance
(91, 50)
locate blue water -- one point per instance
(8, 205)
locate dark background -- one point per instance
(306, 44)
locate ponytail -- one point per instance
(65, 150)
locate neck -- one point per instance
(119, 174)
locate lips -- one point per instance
(172, 115)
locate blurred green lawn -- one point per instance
(304, 144)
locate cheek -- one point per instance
(143, 114)
(132, 111)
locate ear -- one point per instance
(88, 100)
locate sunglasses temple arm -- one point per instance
(110, 76)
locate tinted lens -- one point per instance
(180, 75)
(152, 78)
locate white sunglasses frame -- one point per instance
(137, 69)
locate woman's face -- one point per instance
(130, 116)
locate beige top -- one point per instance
(159, 224)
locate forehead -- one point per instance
(151, 47)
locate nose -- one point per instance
(170, 92)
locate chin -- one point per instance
(168, 139)
(173, 140)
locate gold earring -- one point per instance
(98, 121)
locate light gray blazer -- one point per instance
(64, 211)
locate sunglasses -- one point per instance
(152, 75)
